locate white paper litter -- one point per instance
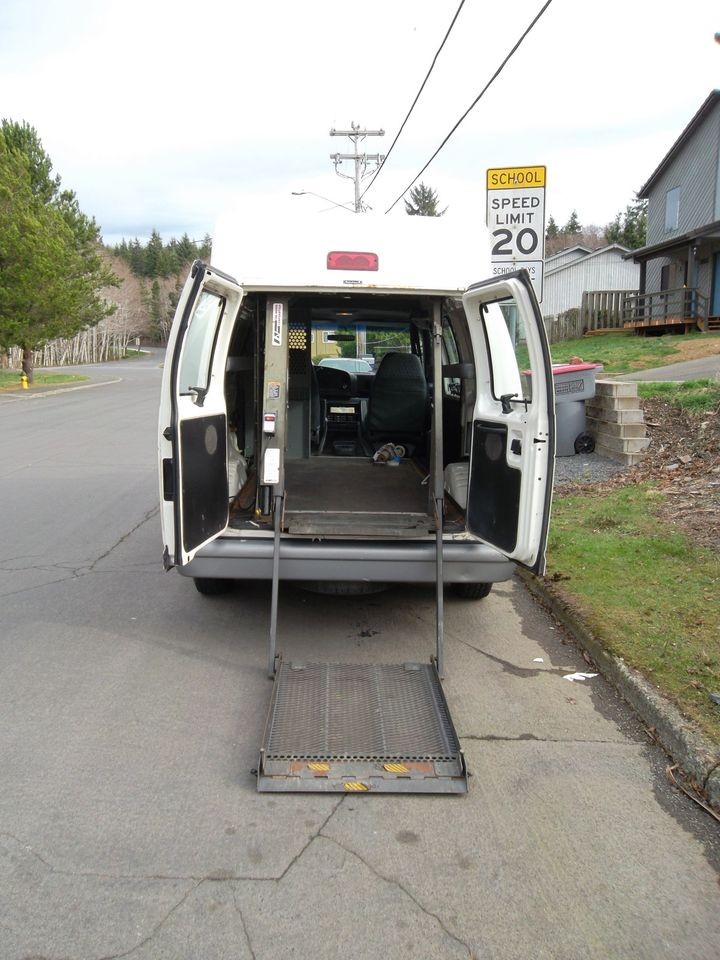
(578, 676)
(538, 660)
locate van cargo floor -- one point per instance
(354, 727)
(354, 497)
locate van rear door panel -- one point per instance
(195, 509)
(512, 451)
(494, 494)
(204, 482)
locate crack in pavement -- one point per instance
(75, 572)
(38, 586)
(408, 894)
(244, 925)
(318, 833)
(148, 516)
(156, 929)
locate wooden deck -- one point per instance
(665, 324)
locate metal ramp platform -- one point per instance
(339, 728)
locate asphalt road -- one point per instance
(701, 369)
(131, 709)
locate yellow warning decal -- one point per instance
(356, 786)
(319, 767)
(395, 768)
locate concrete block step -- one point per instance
(625, 431)
(614, 403)
(610, 415)
(628, 459)
(615, 388)
(620, 445)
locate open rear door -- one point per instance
(193, 445)
(513, 436)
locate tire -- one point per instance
(584, 443)
(213, 587)
(471, 591)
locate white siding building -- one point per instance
(570, 273)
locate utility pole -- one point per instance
(361, 160)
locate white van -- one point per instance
(352, 404)
(351, 401)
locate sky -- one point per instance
(163, 114)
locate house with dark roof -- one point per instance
(680, 265)
(572, 273)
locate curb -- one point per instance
(14, 397)
(695, 754)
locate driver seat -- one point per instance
(398, 405)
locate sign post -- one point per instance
(516, 221)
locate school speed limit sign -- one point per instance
(516, 221)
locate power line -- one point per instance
(475, 101)
(417, 97)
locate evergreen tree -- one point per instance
(423, 202)
(22, 140)
(153, 255)
(51, 271)
(572, 228)
(629, 228)
(185, 249)
(552, 230)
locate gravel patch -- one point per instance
(585, 468)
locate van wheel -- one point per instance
(212, 586)
(471, 591)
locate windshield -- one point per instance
(346, 363)
(359, 347)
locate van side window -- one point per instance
(199, 342)
(508, 353)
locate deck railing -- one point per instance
(603, 309)
(683, 305)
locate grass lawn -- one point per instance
(695, 396)
(10, 379)
(647, 593)
(625, 352)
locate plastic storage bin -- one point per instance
(574, 384)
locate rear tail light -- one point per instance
(351, 260)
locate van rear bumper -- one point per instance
(233, 558)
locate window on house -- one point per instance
(665, 277)
(672, 209)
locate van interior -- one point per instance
(358, 434)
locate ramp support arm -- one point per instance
(438, 482)
(277, 510)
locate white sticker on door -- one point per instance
(277, 314)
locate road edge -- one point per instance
(687, 746)
(13, 397)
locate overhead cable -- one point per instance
(417, 97)
(475, 101)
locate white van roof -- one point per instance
(285, 249)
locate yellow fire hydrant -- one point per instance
(23, 381)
